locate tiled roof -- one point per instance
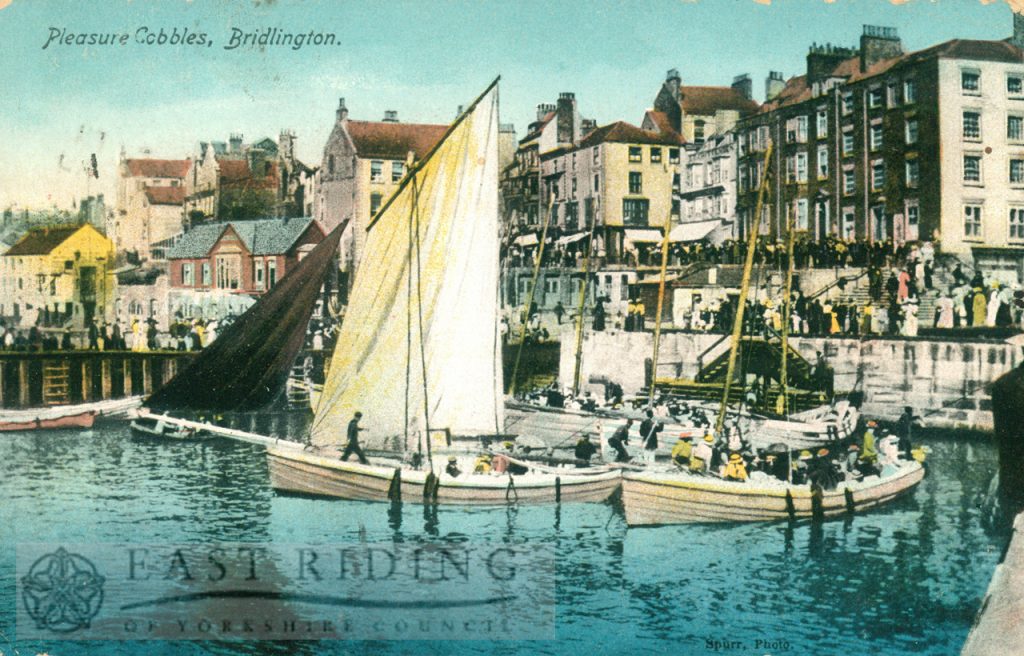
(537, 127)
(704, 101)
(236, 172)
(260, 237)
(157, 168)
(622, 132)
(41, 241)
(797, 90)
(165, 195)
(394, 140)
(659, 120)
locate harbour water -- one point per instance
(906, 579)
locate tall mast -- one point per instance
(530, 293)
(748, 265)
(657, 317)
(786, 301)
(584, 284)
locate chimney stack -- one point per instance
(1018, 30)
(773, 85)
(543, 110)
(744, 86)
(390, 116)
(342, 110)
(673, 82)
(235, 142)
(878, 43)
(568, 120)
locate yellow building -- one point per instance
(57, 276)
(620, 176)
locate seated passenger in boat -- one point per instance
(482, 465)
(585, 449)
(800, 467)
(735, 469)
(682, 451)
(453, 468)
(514, 467)
(821, 471)
(852, 463)
(775, 466)
(702, 454)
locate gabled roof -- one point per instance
(157, 168)
(42, 241)
(659, 120)
(535, 128)
(622, 132)
(705, 101)
(165, 195)
(394, 140)
(260, 237)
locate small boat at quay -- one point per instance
(80, 415)
(654, 497)
(156, 427)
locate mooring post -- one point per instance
(86, 383)
(147, 381)
(126, 367)
(105, 382)
(24, 396)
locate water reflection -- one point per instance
(903, 579)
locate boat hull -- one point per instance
(157, 428)
(673, 498)
(78, 420)
(296, 471)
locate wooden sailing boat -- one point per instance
(671, 496)
(419, 352)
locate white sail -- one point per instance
(449, 285)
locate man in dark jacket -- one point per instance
(353, 440)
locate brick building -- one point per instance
(219, 268)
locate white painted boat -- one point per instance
(673, 497)
(80, 415)
(156, 427)
(300, 471)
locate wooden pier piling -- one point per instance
(39, 378)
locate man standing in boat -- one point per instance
(649, 430)
(353, 440)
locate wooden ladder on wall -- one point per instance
(56, 383)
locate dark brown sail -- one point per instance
(248, 363)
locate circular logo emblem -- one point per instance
(62, 592)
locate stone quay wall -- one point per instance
(944, 381)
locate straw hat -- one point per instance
(709, 438)
(805, 455)
(735, 457)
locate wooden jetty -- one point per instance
(45, 378)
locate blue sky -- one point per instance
(422, 59)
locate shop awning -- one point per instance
(638, 236)
(568, 239)
(526, 240)
(693, 231)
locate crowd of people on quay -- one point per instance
(830, 252)
(136, 334)
(899, 281)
